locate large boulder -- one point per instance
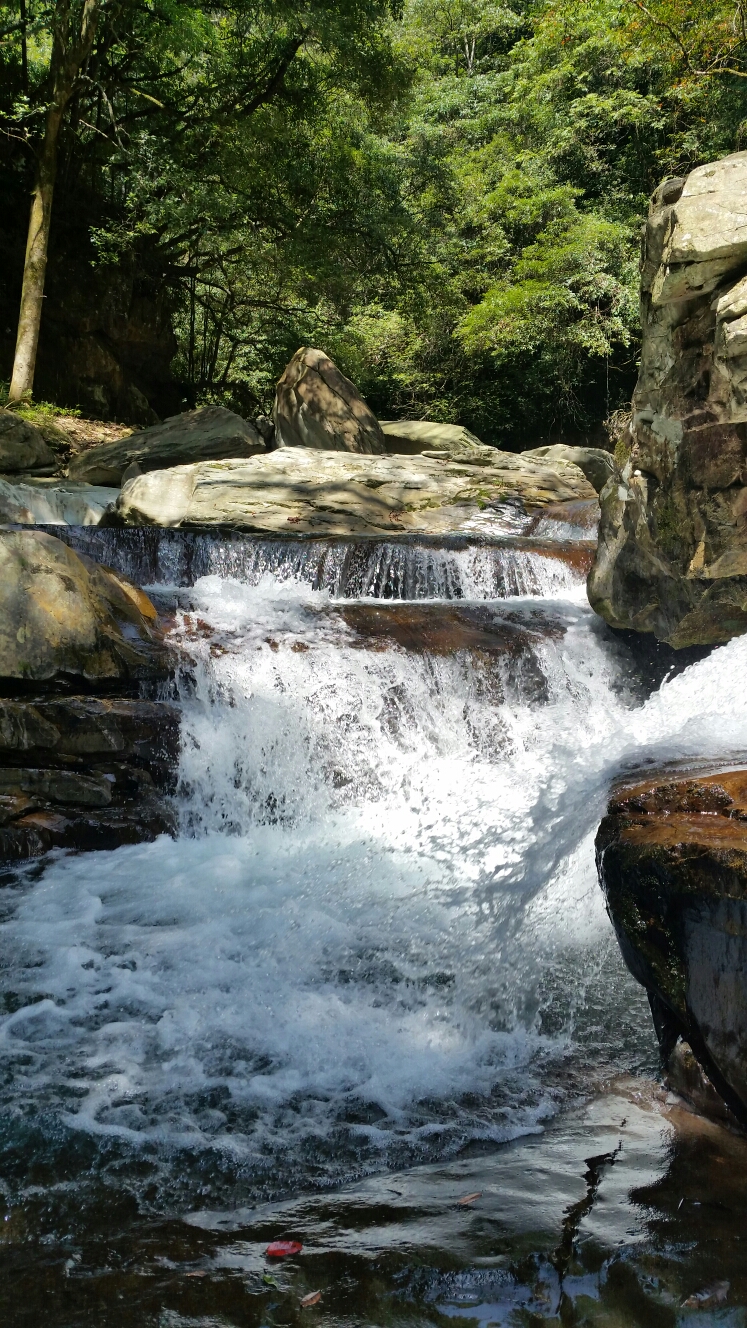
(317, 406)
(672, 859)
(22, 446)
(210, 433)
(62, 615)
(305, 491)
(672, 554)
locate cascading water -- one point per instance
(379, 935)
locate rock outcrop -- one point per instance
(672, 556)
(209, 434)
(84, 772)
(107, 340)
(672, 859)
(22, 447)
(303, 490)
(64, 616)
(317, 406)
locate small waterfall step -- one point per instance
(401, 567)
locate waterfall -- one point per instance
(378, 936)
(458, 567)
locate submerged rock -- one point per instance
(672, 554)
(672, 860)
(22, 446)
(210, 433)
(317, 406)
(63, 615)
(304, 490)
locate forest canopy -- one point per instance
(446, 195)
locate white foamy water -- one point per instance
(379, 934)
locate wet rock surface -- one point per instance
(84, 772)
(672, 860)
(304, 490)
(211, 433)
(672, 554)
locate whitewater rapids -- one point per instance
(378, 937)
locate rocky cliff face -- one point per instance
(107, 339)
(672, 556)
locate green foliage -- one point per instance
(446, 195)
(41, 412)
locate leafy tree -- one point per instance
(206, 128)
(447, 197)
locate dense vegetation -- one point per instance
(445, 195)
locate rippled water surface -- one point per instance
(377, 944)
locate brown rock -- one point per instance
(317, 406)
(62, 614)
(85, 772)
(672, 859)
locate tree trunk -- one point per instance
(32, 291)
(68, 58)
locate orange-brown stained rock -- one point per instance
(723, 794)
(712, 832)
(672, 861)
(441, 629)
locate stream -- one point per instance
(374, 971)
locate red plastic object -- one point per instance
(279, 1249)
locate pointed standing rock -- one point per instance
(317, 406)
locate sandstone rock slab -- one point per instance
(307, 491)
(316, 406)
(597, 465)
(63, 615)
(210, 433)
(22, 446)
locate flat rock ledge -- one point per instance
(308, 491)
(672, 861)
(83, 772)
